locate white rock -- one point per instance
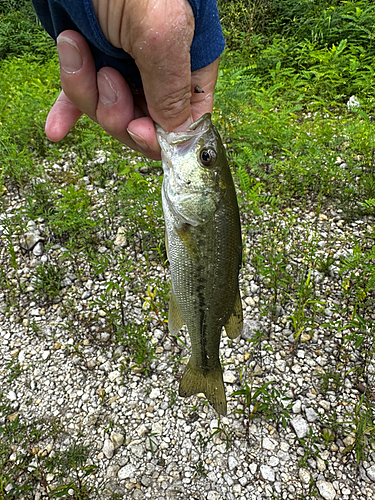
(228, 479)
(326, 489)
(353, 103)
(267, 473)
(120, 240)
(371, 473)
(138, 450)
(142, 430)
(157, 429)
(213, 495)
(296, 408)
(296, 368)
(250, 327)
(38, 249)
(229, 377)
(325, 404)
(155, 393)
(280, 365)
(311, 415)
(91, 364)
(29, 240)
(300, 426)
(12, 396)
(117, 439)
(66, 282)
(232, 462)
(126, 472)
(253, 468)
(304, 476)
(88, 284)
(108, 448)
(112, 471)
(31, 225)
(237, 489)
(113, 375)
(320, 464)
(273, 461)
(268, 444)
(349, 440)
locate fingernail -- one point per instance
(138, 140)
(70, 56)
(107, 92)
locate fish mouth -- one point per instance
(194, 130)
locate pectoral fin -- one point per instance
(166, 244)
(188, 241)
(235, 322)
(175, 319)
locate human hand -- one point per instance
(158, 35)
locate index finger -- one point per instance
(205, 79)
(160, 42)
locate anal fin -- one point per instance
(235, 322)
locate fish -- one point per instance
(204, 249)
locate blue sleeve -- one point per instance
(60, 15)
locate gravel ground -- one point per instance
(147, 442)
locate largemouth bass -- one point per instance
(203, 240)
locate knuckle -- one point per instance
(170, 24)
(173, 104)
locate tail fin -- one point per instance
(211, 384)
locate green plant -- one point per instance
(310, 447)
(223, 430)
(71, 221)
(330, 381)
(272, 266)
(304, 300)
(265, 400)
(74, 473)
(152, 443)
(21, 33)
(47, 280)
(23, 465)
(15, 369)
(136, 340)
(172, 396)
(361, 424)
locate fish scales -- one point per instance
(203, 239)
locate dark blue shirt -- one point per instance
(78, 15)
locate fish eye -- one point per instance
(207, 157)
